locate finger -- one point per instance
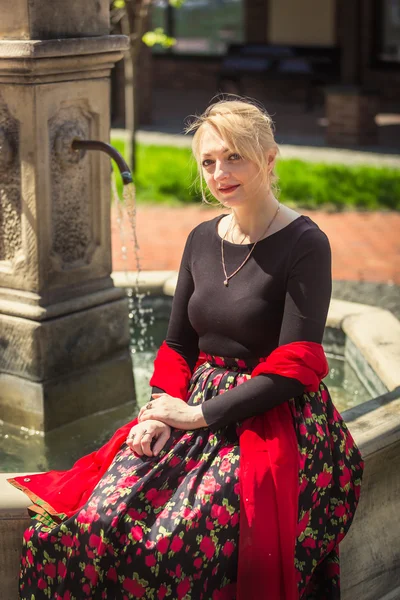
(130, 439)
(151, 415)
(142, 412)
(146, 444)
(133, 440)
(161, 441)
(136, 447)
(156, 395)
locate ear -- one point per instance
(271, 158)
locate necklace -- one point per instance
(228, 277)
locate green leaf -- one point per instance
(119, 4)
(157, 36)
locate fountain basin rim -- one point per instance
(375, 332)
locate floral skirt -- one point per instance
(168, 527)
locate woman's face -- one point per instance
(231, 179)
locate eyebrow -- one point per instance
(224, 151)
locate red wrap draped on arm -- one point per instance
(304, 361)
(269, 472)
(171, 372)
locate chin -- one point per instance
(229, 199)
(232, 202)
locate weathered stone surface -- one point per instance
(377, 336)
(11, 532)
(10, 186)
(58, 48)
(55, 402)
(14, 519)
(77, 247)
(31, 308)
(64, 354)
(72, 239)
(65, 226)
(27, 19)
(370, 554)
(42, 351)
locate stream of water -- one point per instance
(140, 317)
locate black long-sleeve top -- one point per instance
(281, 295)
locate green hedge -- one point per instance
(167, 175)
(312, 185)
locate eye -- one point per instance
(235, 156)
(206, 163)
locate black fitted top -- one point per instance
(280, 295)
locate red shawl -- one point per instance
(268, 472)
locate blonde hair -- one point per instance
(247, 129)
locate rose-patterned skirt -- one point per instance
(168, 527)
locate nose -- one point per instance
(220, 172)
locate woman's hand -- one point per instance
(142, 435)
(172, 411)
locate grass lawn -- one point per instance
(167, 175)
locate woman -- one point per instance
(247, 488)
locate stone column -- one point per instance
(350, 108)
(64, 331)
(351, 113)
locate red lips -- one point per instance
(227, 189)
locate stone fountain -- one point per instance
(64, 334)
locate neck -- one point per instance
(252, 222)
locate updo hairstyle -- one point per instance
(247, 129)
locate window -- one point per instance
(390, 31)
(201, 27)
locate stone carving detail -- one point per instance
(71, 191)
(10, 186)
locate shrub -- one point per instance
(168, 175)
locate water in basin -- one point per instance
(23, 450)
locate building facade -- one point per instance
(365, 34)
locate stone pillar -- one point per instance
(64, 330)
(350, 113)
(256, 15)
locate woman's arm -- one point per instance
(181, 337)
(306, 307)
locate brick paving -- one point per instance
(365, 245)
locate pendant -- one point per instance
(226, 283)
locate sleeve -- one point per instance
(308, 293)
(181, 337)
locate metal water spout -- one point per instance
(71, 143)
(126, 174)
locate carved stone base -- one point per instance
(49, 404)
(56, 371)
(40, 351)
